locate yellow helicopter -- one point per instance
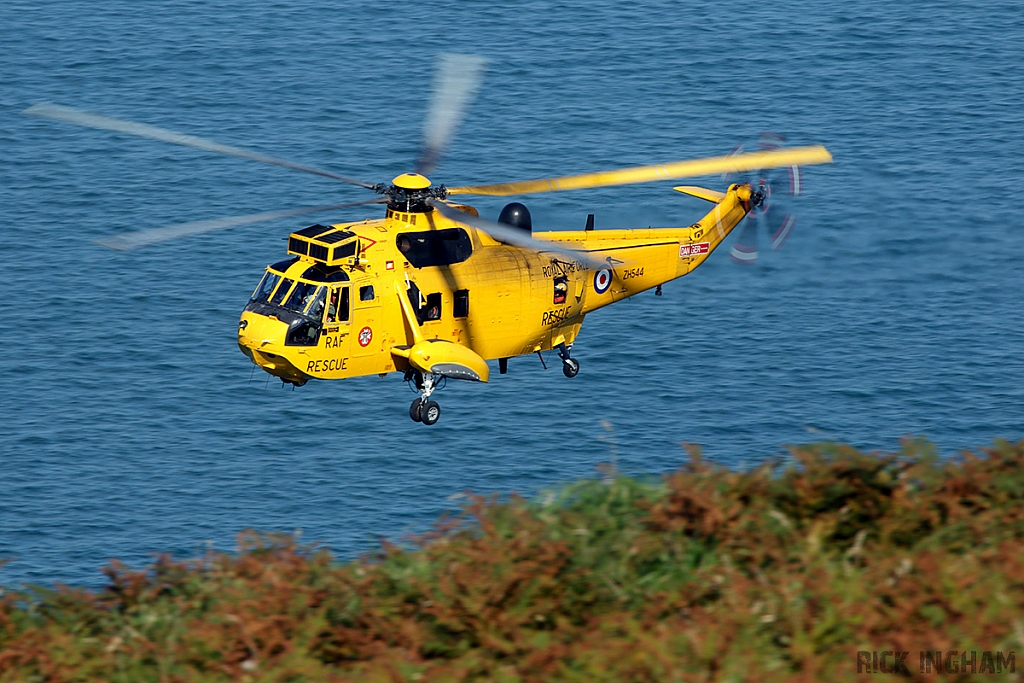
(433, 290)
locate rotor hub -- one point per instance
(410, 192)
(410, 182)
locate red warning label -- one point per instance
(694, 249)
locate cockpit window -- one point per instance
(435, 247)
(316, 307)
(282, 291)
(338, 305)
(266, 286)
(302, 296)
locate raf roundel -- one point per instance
(602, 280)
(365, 336)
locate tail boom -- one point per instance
(640, 259)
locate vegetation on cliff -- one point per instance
(781, 573)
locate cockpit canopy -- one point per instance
(299, 295)
(304, 295)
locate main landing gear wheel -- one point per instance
(570, 366)
(429, 412)
(423, 409)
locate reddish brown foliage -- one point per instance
(714, 574)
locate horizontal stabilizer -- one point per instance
(713, 196)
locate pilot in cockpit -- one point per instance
(332, 307)
(316, 309)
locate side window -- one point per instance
(426, 308)
(332, 306)
(279, 295)
(460, 308)
(561, 289)
(337, 305)
(366, 293)
(343, 306)
(433, 308)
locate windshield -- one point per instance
(266, 286)
(306, 298)
(301, 296)
(281, 292)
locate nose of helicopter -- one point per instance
(261, 338)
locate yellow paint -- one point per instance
(411, 181)
(712, 196)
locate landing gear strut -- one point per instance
(570, 366)
(423, 409)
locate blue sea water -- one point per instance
(128, 421)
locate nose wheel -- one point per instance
(423, 409)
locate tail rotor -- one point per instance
(772, 214)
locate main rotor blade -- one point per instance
(751, 161)
(511, 235)
(142, 238)
(456, 82)
(58, 112)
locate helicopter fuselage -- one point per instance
(416, 291)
